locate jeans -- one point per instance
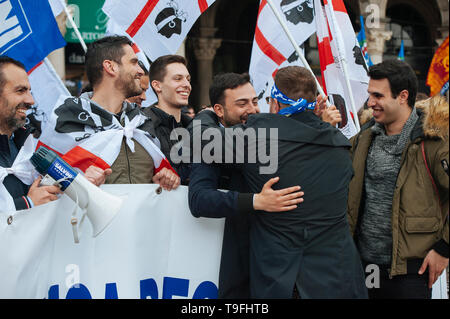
(409, 286)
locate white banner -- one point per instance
(154, 248)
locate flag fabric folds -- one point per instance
(47, 96)
(332, 59)
(158, 26)
(332, 74)
(437, 78)
(272, 49)
(85, 134)
(28, 31)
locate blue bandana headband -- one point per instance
(295, 106)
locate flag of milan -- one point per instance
(272, 49)
(158, 26)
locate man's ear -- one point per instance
(156, 85)
(218, 108)
(274, 106)
(110, 67)
(403, 96)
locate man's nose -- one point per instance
(371, 102)
(28, 99)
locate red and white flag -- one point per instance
(158, 26)
(84, 134)
(331, 67)
(272, 49)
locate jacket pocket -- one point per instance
(422, 224)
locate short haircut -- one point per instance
(158, 68)
(296, 82)
(400, 76)
(107, 48)
(4, 60)
(225, 81)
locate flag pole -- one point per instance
(74, 26)
(297, 48)
(343, 60)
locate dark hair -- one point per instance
(400, 76)
(225, 81)
(107, 48)
(296, 82)
(4, 60)
(158, 68)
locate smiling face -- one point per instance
(239, 103)
(175, 88)
(388, 110)
(129, 78)
(15, 99)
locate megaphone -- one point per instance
(100, 206)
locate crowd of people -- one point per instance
(309, 228)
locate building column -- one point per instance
(374, 12)
(205, 51)
(375, 43)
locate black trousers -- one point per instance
(409, 286)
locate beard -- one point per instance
(12, 121)
(127, 84)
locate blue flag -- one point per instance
(401, 54)
(28, 31)
(361, 36)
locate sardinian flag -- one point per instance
(158, 26)
(48, 92)
(351, 52)
(272, 49)
(332, 75)
(85, 134)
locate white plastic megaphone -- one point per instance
(100, 206)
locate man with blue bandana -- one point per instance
(310, 247)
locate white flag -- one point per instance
(48, 91)
(350, 52)
(272, 49)
(159, 27)
(332, 74)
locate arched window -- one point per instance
(407, 24)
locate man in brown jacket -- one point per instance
(398, 202)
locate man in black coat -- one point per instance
(309, 247)
(234, 99)
(15, 100)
